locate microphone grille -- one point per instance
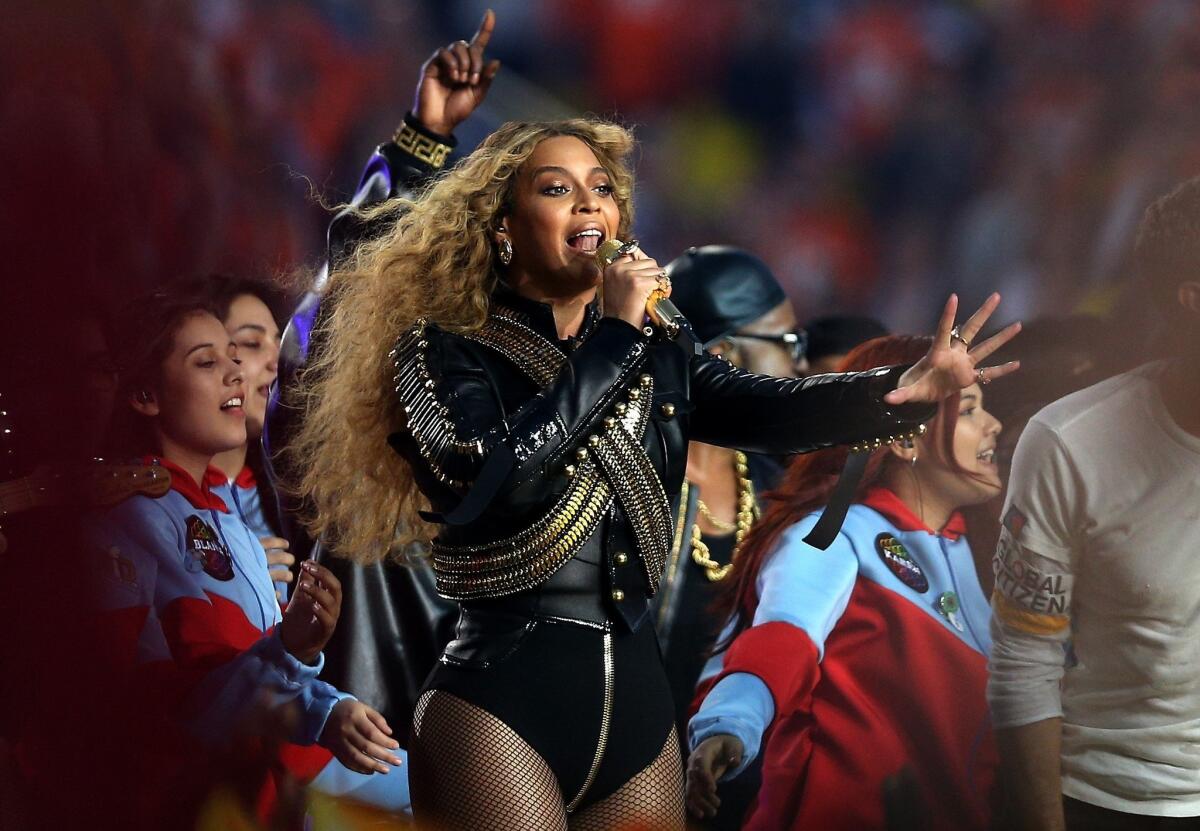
(608, 251)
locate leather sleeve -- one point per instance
(391, 173)
(458, 422)
(764, 414)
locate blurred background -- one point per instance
(876, 153)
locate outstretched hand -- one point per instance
(952, 362)
(711, 759)
(455, 80)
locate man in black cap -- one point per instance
(737, 309)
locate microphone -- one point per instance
(659, 308)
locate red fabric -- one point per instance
(895, 689)
(245, 478)
(198, 495)
(781, 654)
(207, 633)
(304, 762)
(899, 514)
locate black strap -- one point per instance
(830, 523)
(485, 487)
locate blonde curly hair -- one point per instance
(437, 261)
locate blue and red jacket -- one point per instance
(190, 616)
(863, 660)
(246, 500)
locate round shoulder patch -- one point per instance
(206, 552)
(900, 563)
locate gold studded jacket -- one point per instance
(581, 448)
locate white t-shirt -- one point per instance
(1098, 583)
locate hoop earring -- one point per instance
(506, 251)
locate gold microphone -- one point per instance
(659, 308)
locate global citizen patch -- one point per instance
(206, 551)
(900, 563)
(1014, 521)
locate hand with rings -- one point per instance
(951, 364)
(629, 281)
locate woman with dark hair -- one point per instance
(195, 631)
(247, 308)
(844, 667)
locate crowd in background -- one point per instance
(873, 152)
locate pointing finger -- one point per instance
(484, 34)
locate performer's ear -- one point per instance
(904, 449)
(144, 402)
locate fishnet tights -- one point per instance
(471, 771)
(650, 801)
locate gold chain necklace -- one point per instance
(747, 512)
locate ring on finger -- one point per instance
(981, 374)
(956, 335)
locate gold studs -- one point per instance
(610, 423)
(621, 558)
(593, 440)
(620, 408)
(668, 409)
(580, 454)
(645, 381)
(569, 470)
(635, 394)
(618, 595)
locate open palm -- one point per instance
(952, 364)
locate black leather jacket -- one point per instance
(487, 399)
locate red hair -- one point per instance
(810, 479)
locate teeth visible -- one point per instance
(233, 402)
(591, 232)
(986, 455)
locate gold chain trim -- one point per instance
(428, 150)
(451, 458)
(639, 489)
(605, 722)
(507, 333)
(526, 559)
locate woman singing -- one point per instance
(542, 436)
(870, 657)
